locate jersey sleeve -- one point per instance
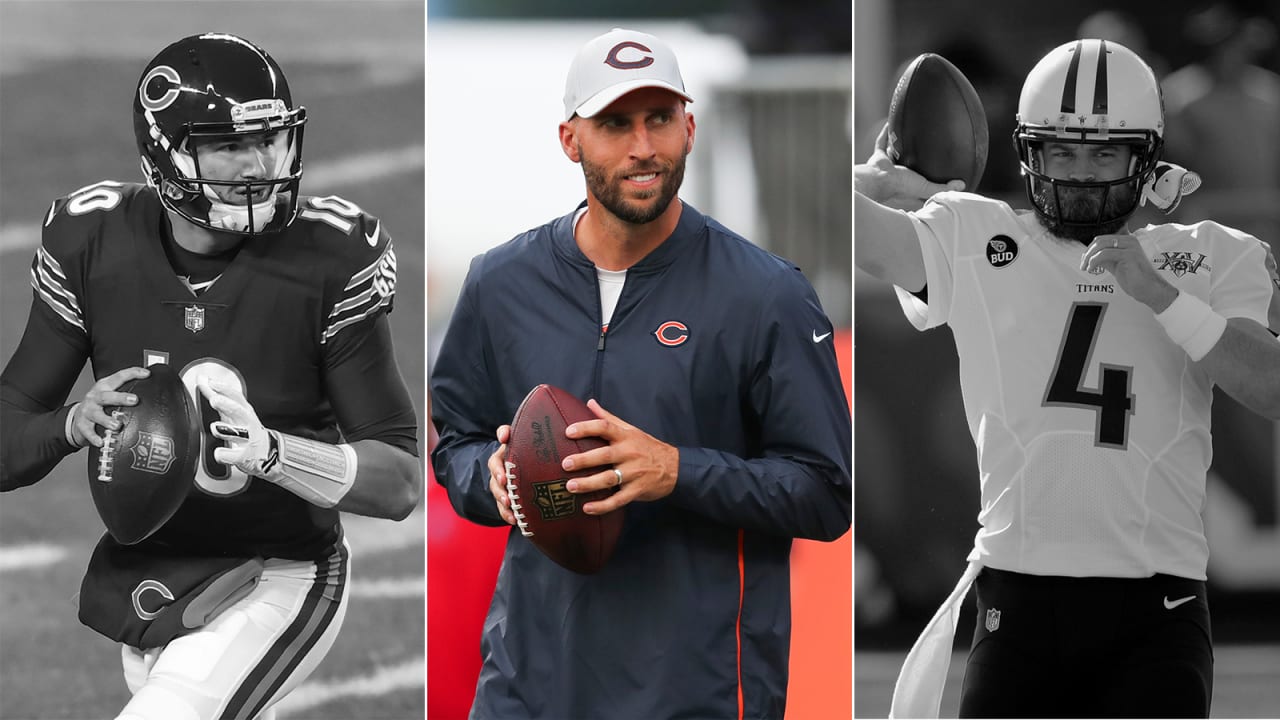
(362, 283)
(937, 227)
(362, 378)
(1241, 286)
(51, 354)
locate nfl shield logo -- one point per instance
(993, 620)
(193, 318)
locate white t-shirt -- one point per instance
(1091, 425)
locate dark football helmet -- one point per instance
(217, 85)
(1093, 92)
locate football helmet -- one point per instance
(219, 86)
(1093, 92)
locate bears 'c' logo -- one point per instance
(672, 333)
(168, 90)
(1001, 250)
(614, 61)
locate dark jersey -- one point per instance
(296, 321)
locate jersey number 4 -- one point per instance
(1112, 401)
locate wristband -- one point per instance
(67, 427)
(317, 472)
(1192, 324)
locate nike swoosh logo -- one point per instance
(819, 338)
(372, 238)
(1171, 604)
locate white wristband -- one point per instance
(1192, 324)
(317, 472)
(68, 428)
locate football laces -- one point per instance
(106, 456)
(514, 495)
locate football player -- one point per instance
(1088, 353)
(272, 306)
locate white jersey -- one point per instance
(1091, 425)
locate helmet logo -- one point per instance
(170, 90)
(614, 61)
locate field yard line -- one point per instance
(322, 177)
(408, 675)
(389, 588)
(375, 535)
(29, 556)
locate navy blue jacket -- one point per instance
(693, 610)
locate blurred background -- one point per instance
(916, 490)
(67, 77)
(771, 82)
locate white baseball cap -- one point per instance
(614, 64)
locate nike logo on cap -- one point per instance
(1171, 604)
(819, 338)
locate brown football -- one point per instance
(546, 513)
(937, 125)
(143, 471)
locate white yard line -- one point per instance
(319, 178)
(406, 676)
(31, 556)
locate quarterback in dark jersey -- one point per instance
(272, 308)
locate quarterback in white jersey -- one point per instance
(1088, 355)
(1092, 424)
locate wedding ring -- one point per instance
(618, 472)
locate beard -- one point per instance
(1075, 213)
(641, 208)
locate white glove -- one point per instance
(250, 447)
(315, 471)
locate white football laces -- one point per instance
(106, 458)
(514, 494)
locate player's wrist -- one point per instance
(69, 433)
(1192, 324)
(318, 472)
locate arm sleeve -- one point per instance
(33, 387)
(462, 410)
(800, 485)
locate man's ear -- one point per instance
(692, 126)
(569, 140)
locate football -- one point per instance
(546, 513)
(937, 125)
(143, 471)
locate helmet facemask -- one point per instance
(1083, 209)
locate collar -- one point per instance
(691, 228)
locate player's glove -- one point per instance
(318, 472)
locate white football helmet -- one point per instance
(1097, 92)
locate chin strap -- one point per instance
(236, 217)
(1167, 184)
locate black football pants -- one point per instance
(1047, 646)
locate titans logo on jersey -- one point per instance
(285, 309)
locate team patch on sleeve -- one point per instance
(50, 284)
(369, 290)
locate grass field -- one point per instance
(65, 93)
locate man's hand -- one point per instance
(250, 447)
(498, 475)
(89, 411)
(893, 185)
(1124, 258)
(647, 465)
